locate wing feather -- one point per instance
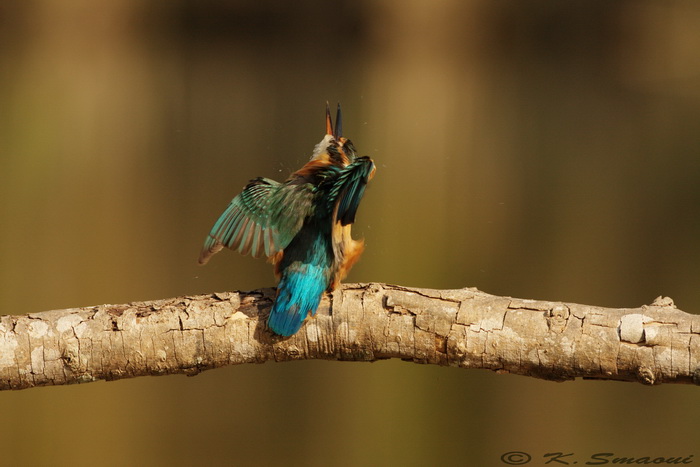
(348, 189)
(261, 220)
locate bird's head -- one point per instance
(334, 148)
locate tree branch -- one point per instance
(360, 322)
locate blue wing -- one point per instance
(261, 220)
(349, 187)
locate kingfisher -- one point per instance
(301, 225)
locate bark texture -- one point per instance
(361, 322)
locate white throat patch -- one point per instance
(321, 147)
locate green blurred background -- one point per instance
(536, 149)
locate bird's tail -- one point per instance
(299, 292)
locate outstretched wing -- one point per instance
(348, 188)
(261, 220)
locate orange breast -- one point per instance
(351, 251)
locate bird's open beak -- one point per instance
(338, 131)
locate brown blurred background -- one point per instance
(536, 149)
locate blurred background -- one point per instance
(545, 150)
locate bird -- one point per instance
(302, 225)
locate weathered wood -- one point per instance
(360, 322)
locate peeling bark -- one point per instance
(360, 322)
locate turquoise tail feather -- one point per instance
(298, 293)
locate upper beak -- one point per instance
(338, 131)
(338, 123)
